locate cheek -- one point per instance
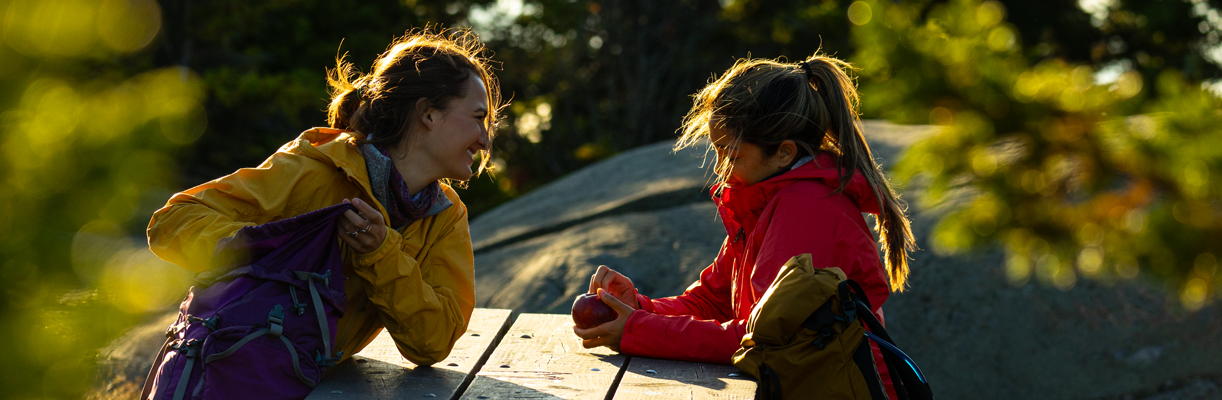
(471, 130)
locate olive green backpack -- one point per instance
(805, 340)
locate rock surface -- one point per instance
(639, 179)
(646, 213)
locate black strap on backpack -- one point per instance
(864, 358)
(148, 380)
(906, 376)
(769, 386)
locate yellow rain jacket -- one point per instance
(419, 284)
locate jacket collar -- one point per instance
(740, 206)
(338, 148)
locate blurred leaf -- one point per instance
(1076, 176)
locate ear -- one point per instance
(785, 154)
(427, 115)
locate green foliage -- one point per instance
(1073, 176)
(89, 134)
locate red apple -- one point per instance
(589, 311)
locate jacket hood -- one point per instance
(823, 169)
(328, 145)
(740, 206)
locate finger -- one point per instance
(620, 285)
(615, 303)
(593, 332)
(354, 218)
(596, 279)
(367, 209)
(364, 222)
(592, 343)
(343, 235)
(604, 273)
(583, 333)
(611, 281)
(345, 225)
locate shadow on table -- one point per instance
(643, 371)
(366, 378)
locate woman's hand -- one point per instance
(362, 229)
(615, 284)
(610, 333)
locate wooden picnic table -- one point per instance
(533, 356)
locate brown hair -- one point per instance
(422, 64)
(814, 104)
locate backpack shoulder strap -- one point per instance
(148, 380)
(905, 374)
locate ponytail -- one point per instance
(838, 94)
(346, 95)
(761, 102)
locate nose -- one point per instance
(484, 138)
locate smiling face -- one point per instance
(741, 163)
(446, 144)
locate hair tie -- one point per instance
(807, 69)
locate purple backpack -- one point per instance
(265, 328)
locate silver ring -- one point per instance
(353, 234)
(366, 229)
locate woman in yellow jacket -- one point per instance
(397, 136)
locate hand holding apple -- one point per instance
(609, 333)
(589, 311)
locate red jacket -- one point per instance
(767, 223)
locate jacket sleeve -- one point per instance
(697, 325)
(425, 302)
(185, 231)
(708, 298)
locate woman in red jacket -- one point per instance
(795, 176)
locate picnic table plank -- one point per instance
(651, 378)
(380, 372)
(540, 357)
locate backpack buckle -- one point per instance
(327, 362)
(850, 309)
(310, 276)
(275, 322)
(824, 334)
(193, 346)
(209, 323)
(189, 347)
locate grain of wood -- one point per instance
(380, 372)
(541, 358)
(651, 378)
